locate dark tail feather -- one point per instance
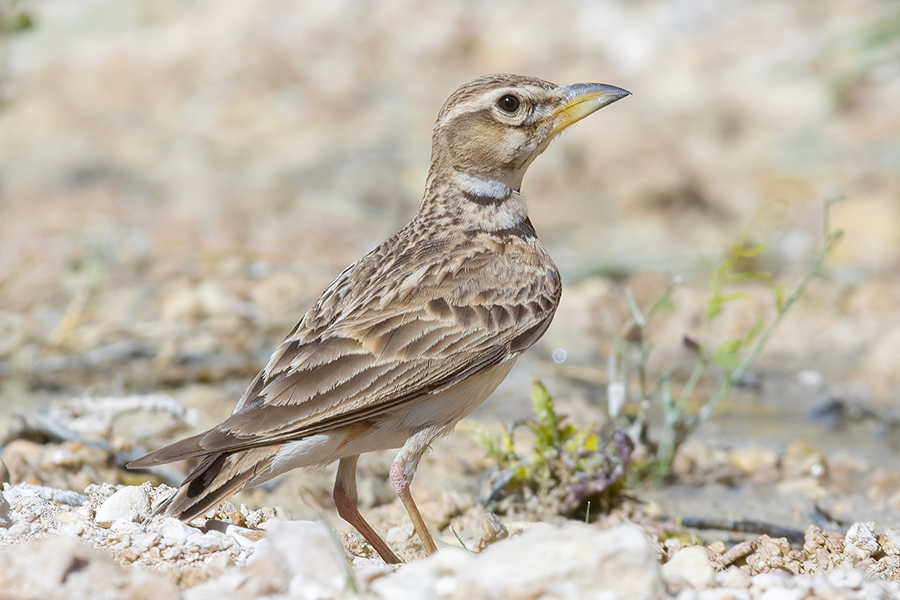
(180, 450)
(216, 478)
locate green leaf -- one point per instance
(726, 354)
(779, 297)
(750, 251)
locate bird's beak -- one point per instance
(583, 99)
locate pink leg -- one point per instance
(402, 471)
(345, 499)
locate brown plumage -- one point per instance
(417, 333)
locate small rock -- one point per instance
(313, 555)
(802, 459)
(724, 594)
(772, 579)
(692, 565)
(73, 570)
(142, 542)
(860, 542)
(733, 577)
(254, 535)
(5, 512)
(399, 534)
(303, 558)
(572, 561)
(131, 503)
(173, 529)
(889, 541)
(68, 516)
(749, 460)
(848, 579)
(688, 594)
(718, 547)
(125, 526)
(781, 593)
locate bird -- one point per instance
(417, 333)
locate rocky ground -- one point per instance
(106, 544)
(180, 179)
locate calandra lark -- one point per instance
(416, 334)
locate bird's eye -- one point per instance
(509, 103)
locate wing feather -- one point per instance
(384, 334)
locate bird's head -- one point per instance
(493, 127)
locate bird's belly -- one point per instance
(392, 429)
(448, 407)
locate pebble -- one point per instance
(688, 594)
(5, 512)
(772, 579)
(254, 535)
(72, 570)
(69, 516)
(131, 503)
(848, 579)
(544, 561)
(780, 593)
(890, 542)
(749, 460)
(861, 540)
(692, 565)
(123, 525)
(398, 535)
(733, 577)
(724, 594)
(173, 529)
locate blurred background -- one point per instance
(179, 181)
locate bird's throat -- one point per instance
(487, 205)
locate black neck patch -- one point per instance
(485, 200)
(523, 229)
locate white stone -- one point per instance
(123, 525)
(892, 546)
(303, 558)
(398, 535)
(208, 542)
(5, 512)
(144, 541)
(764, 581)
(131, 503)
(688, 593)
(780, 593)
(424, 578)
(733, 577)
(860, 540)
(241, 540)
(64, 567)
(692, 565)
(848, 579)
(725, 594)
(173, 529)
(68, 516)
(575, 561)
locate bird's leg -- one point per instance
(345, 499)
(402, 471)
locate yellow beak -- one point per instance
(582, 99)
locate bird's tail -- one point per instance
(217, 477)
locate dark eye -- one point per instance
(509, 103)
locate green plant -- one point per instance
(728, 360)
(568, 467)
(13, 18)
